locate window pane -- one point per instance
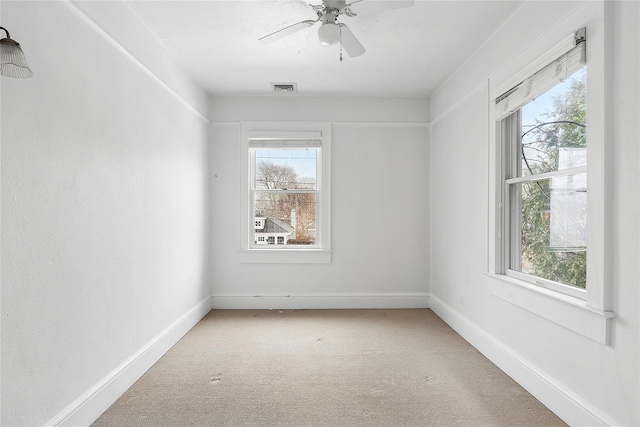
(286, 168)
(554, 128)
(552, 225)
(285, 218)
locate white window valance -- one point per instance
(267, 139)
(541, 81)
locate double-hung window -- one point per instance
(543, 138)
(285, 211)
(284, 189)
(547, 230)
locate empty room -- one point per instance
(292, 212)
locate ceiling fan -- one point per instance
(331, 31)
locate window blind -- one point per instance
(285, 139)
(541, 81)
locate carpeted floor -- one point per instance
(325, 368)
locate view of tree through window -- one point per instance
(553, 209)
(285, 196)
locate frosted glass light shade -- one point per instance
(12, 60)
(329, 33)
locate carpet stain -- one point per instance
(427, 379)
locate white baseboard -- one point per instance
(338, 301)
(88, 407)
(548, 391)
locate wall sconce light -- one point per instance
(12, 60)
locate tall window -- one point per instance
(549, 216)
(285, 185)
(544, 155)
(285, 209)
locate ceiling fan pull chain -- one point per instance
(340, 43)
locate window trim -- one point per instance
(558, 307)
(319, 253)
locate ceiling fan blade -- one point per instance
(362, 7)
(286, 31)
(350, 43)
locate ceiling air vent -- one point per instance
(284, 87)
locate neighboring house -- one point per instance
(568, 204)
(271, 231)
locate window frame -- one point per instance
(588, 314)
(284, 145)
(511, 128)
(320, 253)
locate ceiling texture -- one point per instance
(410, 51)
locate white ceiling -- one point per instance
(410, 51)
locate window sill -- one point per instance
(284, 256)
(569, 312)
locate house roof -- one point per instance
(272, 225)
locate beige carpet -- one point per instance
(325, 368)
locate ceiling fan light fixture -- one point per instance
(12, 60)
(329, 33)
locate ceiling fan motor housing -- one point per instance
(334, 4)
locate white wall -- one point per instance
(105, 197)
(104, 208)
(584, 382)
(379, 200)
